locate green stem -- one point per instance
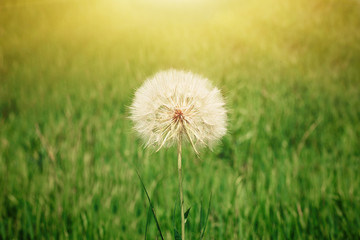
(181, 192)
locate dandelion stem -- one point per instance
(181, 192)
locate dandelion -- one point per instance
(175, 106)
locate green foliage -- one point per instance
(151, 207)
(287, 169)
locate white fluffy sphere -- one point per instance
(175, 105)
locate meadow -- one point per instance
(288, 168)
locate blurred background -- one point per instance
(287, 169)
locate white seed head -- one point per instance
(175, 105)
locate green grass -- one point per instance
(287, 169)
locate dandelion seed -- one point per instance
(175, 105)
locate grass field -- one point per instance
(288, 167)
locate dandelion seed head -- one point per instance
(175, 105)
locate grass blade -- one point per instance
(201, 217)
(147, 221)
(176, 233)
(206, 219)
(151, 206)
(186, 214)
